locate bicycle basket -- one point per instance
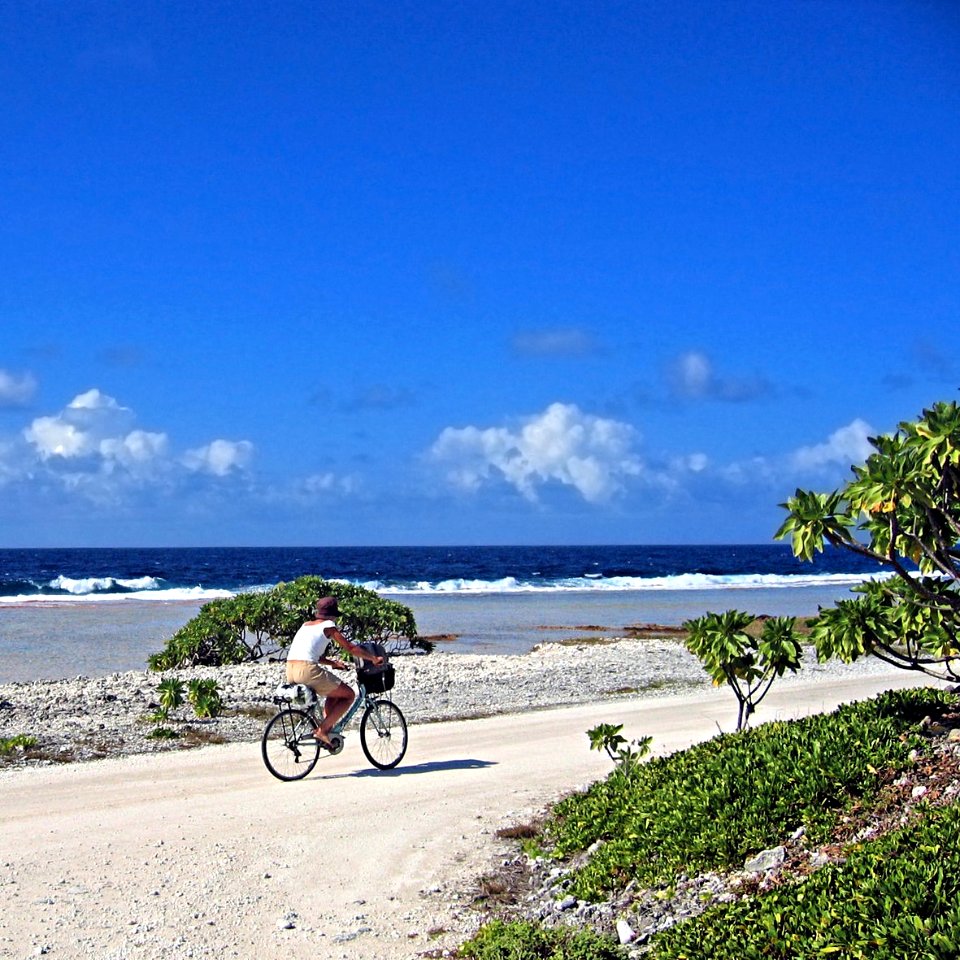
(298, 694)
(376, 679)
(372, 678)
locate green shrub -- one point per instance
(895, 898)
(205, 698)
(20, 741)
(171, 696)
(251, 626)
(713, 805)
(529, 941)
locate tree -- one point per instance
(747, 660)
(251, 626)
(901, 509)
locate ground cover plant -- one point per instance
(893, 899)
(530, 941)
(712, 806)
(717, 803)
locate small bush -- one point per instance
(205, 698)
(529, 941)
(171, 696)
(21, 741)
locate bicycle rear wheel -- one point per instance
(289, 748)
(383, 734)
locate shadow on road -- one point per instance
(402, 771)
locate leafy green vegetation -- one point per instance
(748, 661)
(21, 741)
(204, 696)
(901, 509)
(710, 807)
(171, 696)
(626, 754)
(530, 941)
(251, 626)
(895, 898)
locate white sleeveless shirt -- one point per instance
(310, 642)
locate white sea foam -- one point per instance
(110, 589)
(590, 583)
(179, 594)
(102, 584)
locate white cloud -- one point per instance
(591, 454)
(93, 445)
(691, 376)
(93, 400)
(89, 421)
(220, 457)
(844, 447)
(691, 463)
(137, 447)
(15, 391)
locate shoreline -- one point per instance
(49, 641)
(91, 718)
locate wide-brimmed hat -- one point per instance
(327, 608)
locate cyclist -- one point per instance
(309, 655)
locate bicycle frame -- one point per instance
(291, 750)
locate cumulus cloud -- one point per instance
(845, 446)
(220, 457)
(85, 427)
(16, 389)
(93, 445)
(562, 444)
(556, 342)
(691, 377)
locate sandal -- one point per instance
(323, 739)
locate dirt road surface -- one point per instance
(202, 853)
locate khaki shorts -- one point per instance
(320, 681)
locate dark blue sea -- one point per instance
(68, 612)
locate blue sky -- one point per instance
(501, 272)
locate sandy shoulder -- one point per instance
(202, 854)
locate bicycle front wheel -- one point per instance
(383, 734)
(289, 749)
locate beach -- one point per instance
(200, 853)
(186, 847)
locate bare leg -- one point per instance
(335, 706)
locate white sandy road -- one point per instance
(203, 854)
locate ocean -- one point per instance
(70, 612)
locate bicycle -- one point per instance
(289, 748)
